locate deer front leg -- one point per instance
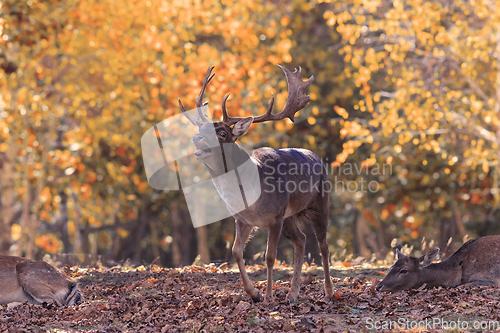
(273, 236)
(243, 231)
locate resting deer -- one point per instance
(477, 262)
(279, 207)
(35, 282)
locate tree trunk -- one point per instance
(176, 235)
(360, 248)
(181, 236)
(497, 111)
(115, 234)
(77, 246)
(25, 215)
(381, 240)
(202, 241)
(202, 235)
(143, 220)
(181, 232)
(94, 243)
(447, 232)
(63, 223)
(153, 227)
(37, 204)
(7, 175)
(115, 247)
(86, 244)
(188, 244)
(457, 217)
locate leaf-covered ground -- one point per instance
(210, 299)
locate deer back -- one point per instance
(10, 289)
(480, 260)
(290, 180)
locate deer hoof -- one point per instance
(268, 300)
(291, 298)
(329, 296)
(257, 298)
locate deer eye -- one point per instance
(403, 271)
(223, 135)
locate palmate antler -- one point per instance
(296, 101)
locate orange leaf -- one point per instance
(346, 264)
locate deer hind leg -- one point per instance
(298, 239)
(318, 217)
(43, 282)
(325, 255)
(481, 282)
(273, 237)
(243, 231)
(42, 293)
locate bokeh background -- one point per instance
(406, 95)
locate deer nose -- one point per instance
(379, 286)
(197, 138)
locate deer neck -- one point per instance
(447, 273)
(233, 155)
(227, 175)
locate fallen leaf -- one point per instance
(242, 306)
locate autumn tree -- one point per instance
(427, 73)
(83, 80)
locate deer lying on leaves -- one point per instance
(35, 282)
(477, 262)
(279, 207)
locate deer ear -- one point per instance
(399, 254)
(428, 258)
(242, 126)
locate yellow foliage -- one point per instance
(16, 232)
(455, 98)
(71, 228)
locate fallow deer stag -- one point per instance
(292, 184)
(477, 262)
(35, 282)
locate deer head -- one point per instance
(212, 149)
(405, 273)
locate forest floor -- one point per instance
(210, 299)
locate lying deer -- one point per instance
(35, 282)
(279, 207)
(477, 262)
